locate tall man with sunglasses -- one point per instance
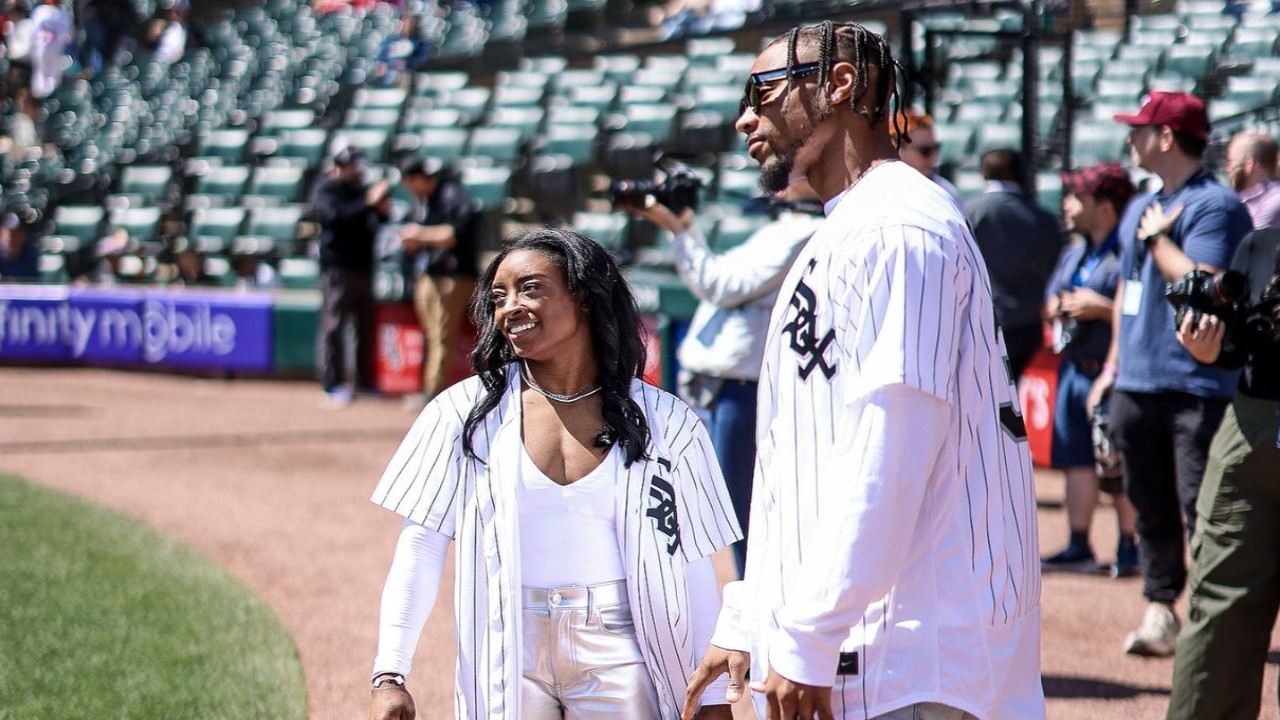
(893, 570)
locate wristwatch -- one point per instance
(387, 678)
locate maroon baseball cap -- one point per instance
(1105, 181)
(1182, 112)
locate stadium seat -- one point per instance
(277, 121)
(1191, 61)
(304, 145)
(601, 97)
(142, 223)
(573, 115)
(443, 143)
(502, 144)
(82, 222)
(737, 185)
(617, 68)
(277, 224)
(997, 135)
(149, 184)
(228, 144)
(374, 143)
(53, 269)
(487, 185)
(212, 230)
(301, 273)
(528, 120)
(956, 141)
(384, 119)
(1049, 191)
(369, 97)
(607, 228)
(1251, 43)
(283, 184)
(563, 81)
(1097, 141)
(518, 96)
(223, 185)
(472, 102)
(422, 119)
(1257, 91)
(433, 84)
(578, 142)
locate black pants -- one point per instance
(1163, 440)
(348, 298)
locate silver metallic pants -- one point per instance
(581, 658)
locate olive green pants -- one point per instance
(1235, 570)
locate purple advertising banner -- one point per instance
(181, 328)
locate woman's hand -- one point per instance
(391, 702)
(1202, 339)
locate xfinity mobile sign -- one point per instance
(186, 329)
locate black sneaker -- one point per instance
(1073, 559)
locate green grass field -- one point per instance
(103, 617)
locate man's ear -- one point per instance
(842, 83)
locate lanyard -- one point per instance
(1092, 258)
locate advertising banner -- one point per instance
(123, 326)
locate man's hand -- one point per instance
(1085, 304)
(378, 192)
(661, 215)
(716, 662)
(391, 702)
(1155, 221)
(1202, 339)
(1098, 391)
(787, 700)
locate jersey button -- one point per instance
(556, 598)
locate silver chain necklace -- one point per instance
(575, 397)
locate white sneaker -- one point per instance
(1158, 635)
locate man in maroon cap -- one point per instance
(1165, 407)
(1078, 301)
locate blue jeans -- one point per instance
(733, 434)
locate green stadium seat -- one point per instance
(979, 113)
(277, 224)
(1266, 67)
(1250, 43)
(997, 135)
(1258, 91)
(443, 143)
(1049, 191)
(573, 115)
(374, 143)
(419, 120)
(528, 120)
(390, 98)
(578, 142)
(601, 97)
(718, 99)
(1223, 109)
(53, 269)
(700, 77)
(212, 230)
(706, 50)
(518, 96)
(657, 121)
(83, 222)
(969, 182)
(545, 64)
(617, 68)
(487, 185)
(223, 185)
(563, 81)
(219, 268)
(737, 185)
(299, 273)
(1097, 141)
(501, 144)
(142, 223)
(384, 119)
(1165, 22)
(306, 145)
(1191, 61)
(151, 183)
(472, 102)
(642, 94)
(228, 144)
(1125, 89)
(432, 84)
(1171, 82)
(956, 141)
(607, 228)
(281, 183)
(275, 122)
(1137, 59)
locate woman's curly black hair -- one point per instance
(616, 335)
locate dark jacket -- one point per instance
(449, 205)
(1020, 242)
(347, 225)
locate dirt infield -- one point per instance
(254, 474)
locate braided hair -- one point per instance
(864, 49)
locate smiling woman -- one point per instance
(585, 504)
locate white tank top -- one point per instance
(568, 533)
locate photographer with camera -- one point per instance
(1079, 302)
(723, 349)
(1234, 589)
(1165, 407)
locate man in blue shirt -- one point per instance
(1166, 407)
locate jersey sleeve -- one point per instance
(904, 292)
(707, 522)
(422, 482)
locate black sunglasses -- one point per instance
(753, 95)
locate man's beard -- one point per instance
(775, 174)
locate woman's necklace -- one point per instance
(574, 397)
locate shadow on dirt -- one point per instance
(1077, 687)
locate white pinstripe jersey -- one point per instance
(672, 509)
(892, 290)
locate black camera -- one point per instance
(680, 189)
(1225, 295)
